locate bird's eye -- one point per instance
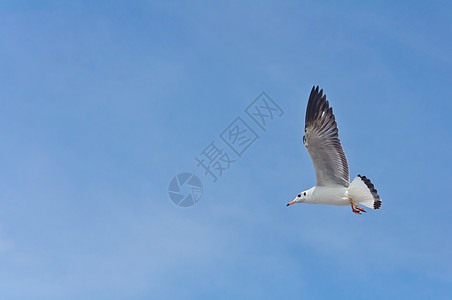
(299, 195)
(304, 194)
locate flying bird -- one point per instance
(333, 185)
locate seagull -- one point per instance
(333, 185)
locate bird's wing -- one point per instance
(321, 140)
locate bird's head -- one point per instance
(301, 197)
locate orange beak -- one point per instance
(290, 203)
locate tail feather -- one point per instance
(362, 191)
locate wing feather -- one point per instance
(322, 141)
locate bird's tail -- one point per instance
(362, 191)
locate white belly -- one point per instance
(331, 195)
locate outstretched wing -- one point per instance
(321, 140)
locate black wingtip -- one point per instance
(317, 104)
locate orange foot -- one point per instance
(355, 208)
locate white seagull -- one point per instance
(333, 185)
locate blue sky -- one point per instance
(104, 102)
